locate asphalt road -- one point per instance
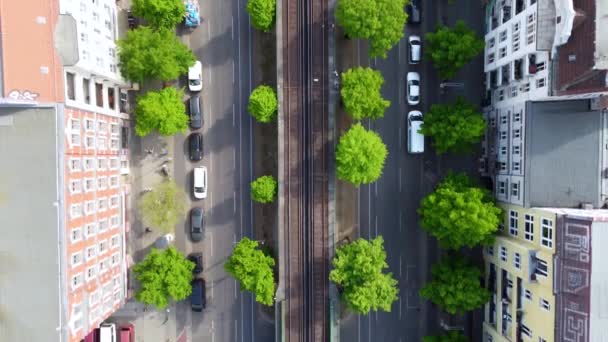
(223, 44)
(388, 206)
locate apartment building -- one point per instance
(546, 88)
(64, 128)
(547, 276)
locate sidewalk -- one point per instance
(150, 325)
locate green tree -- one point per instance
(455, 286)
(263, 189)
(163, 207)
(451, 48)
(459, 214)
(263, 104)
(358, 272)
(161, 111)
(454, 127)
(379, 21)
(361, 93)
(360, 156)
(164, 14)
(147, 54)
(450, 336)
(253, 269)
(163, 275)
(262, 13)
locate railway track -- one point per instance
(305, 109)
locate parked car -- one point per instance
(415, 45)
(198, 300)
(413, 88)
(197, 259)
(196, 112)
(93, 336)
(195, 143)
(127, 333)
(193, 17)
(415, 139)
(200, 182)
(195, 76)
(107, 332)
(197, 221)
(414, 12)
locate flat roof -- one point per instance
(563, 142)
(31, 251)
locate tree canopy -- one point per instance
(163, 275)
(360, 156)
(263, 189)
(163, 207)
(459, 214)
(455, 286)
(451, 48)
(160, 13)
(147, 54)
(263, 104)
(450, 336)
(361, 93)
(379, 21)
(253, 269)
(162, 111)
(358, 272)
(454, 127)
(262, 13)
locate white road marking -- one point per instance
(400, 145)
(376, 189)
(359, 327)
(234, 201)
(400, 188)
(369, 328)
(212, 331)
(211, 243)
(376, 225)
(400, 266)
(400, 222)
(369, 211)
(253, 325)
(208, 30)
(233, 72)
(233, 119)
(232, 28)
(234, 158)
(212, 296)
(235, 292)
(236, 332)
(400, 307)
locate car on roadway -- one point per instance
(195, 77)
(200, 182)
(195, 144)
(197, 259)
(413, 88)
(196, 112)
(127, 333)
(415, 139)
(198, 299)
(197, 222)
(415, 47)
(414, 12)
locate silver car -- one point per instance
(413, 88)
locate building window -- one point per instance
(513, 221)
(75, 124)
(503, 166)
(545, 304)
(503, 135)
(503, 36)
(525, 330)
(529, 227)
(516, 27)
(89, 207)
(75, 210)
(501, 95)
(502, 52)
(114, 221)
(540, 66)
(547, 233)
(103, 246)
(102, 205)
(75, 186)
(103, 265)
(517, 133)
(90, 253)
(89, 185)
(115, 259)
(516, 117)
(111, 98)
(503, 150)
(541, 268)
(528, 294)
(102, 127)
(114, 201)
(515, 166)
(76, 259)
(502, 188)
(540, 82)
(86, 90)
(89, 125)
(514, 91)
(103, 225)
(90, 142)
(503, 119)
(114, 241)
(516, 149)
(515, 192)
(75, 164)
(503, 253)
(491, 43)
(90, 230)
(89, 164)
(99, 93)
(114, 129)
(114, 144)
(75, 139)
(491, 58)
(91, 273)
(540, 339)
(102, 163)
(94, 297)
(101, 143)
(102, 183)
(490, 250)
(517, 260)
(77, 281)
(70, 85)
(113, 180)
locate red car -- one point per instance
(93, 336)
(127, 333)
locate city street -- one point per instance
(223, 44)
(388, 206)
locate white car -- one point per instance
(200, 182)
(413, 88)
(415, 45)
(195, 77)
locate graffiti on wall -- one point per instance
(25, 95)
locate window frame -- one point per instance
(517, 260)
(546, 242)
(504, 254)
(513, 222)
(529, 227)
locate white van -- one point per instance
(200, 182)
(107, 332)
(415, 139)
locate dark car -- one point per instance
(195, 141)
(196, 224)
(414, 12)
(196, 112)
(198, 300)
(197, 259)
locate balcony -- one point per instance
(505, 74)
(532, 64)
(505, 328)
(518, 69)
(519, 6)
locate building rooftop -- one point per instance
(31, 264)
(563, 148)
